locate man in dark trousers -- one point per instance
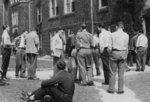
(60, 87)
(6, 52)
(104, 43)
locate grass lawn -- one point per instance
(40, 63)
(140, 84)
(12, 92)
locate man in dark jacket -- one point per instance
(60, 87)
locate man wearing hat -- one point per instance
(60, 87)
(84, 56)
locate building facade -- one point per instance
(49, 16)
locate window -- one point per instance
(69, 6)
(14, 19)
(53, 8)
(102, 3)
(39, 15)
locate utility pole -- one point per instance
(29, 15)
(92, 21)
(3, 13)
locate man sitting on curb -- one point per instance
(60, 87)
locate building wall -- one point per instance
(69, 21)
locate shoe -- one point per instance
(137, 70)
(30, 78)
(105, 83)
(23, 77)
(83, 84)
(5, 79)
(91, 83)
(120, 92)
(98, 74)
(111, 92)
(25, 97)
(17, 76)
(142, 70)
(128, 70)
(4, 84)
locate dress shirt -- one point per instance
(142, 41)
(22, 40)
(104, 40)
(57, 45)
(5, 39)
(84, 39)
(95, 41)
(120, 40)
(32, 42)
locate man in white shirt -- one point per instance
(32, 44)
(96, 53)
(104, 43)
(58, 46)
(118, 55)
(20, 55)
(141, 46)
(6, 53)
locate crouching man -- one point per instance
(60, 87)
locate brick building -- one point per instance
(49, 16)
(68, 15)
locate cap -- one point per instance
(61, 64)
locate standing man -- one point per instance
(133, 52)
(20, 55)
(96, 53)
(84, 56)
(32, 43)
(58, 42)
(104, 43)
(118, 55)
(6, 52)
(141, 45)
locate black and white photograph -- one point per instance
(74, 50)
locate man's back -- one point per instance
(120, 40)
(31, 41)
(84, 39)
(64, 80)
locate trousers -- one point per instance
(106, 67)
(84, 60)
(31, 64)
(54, 92)
(20, 62)
(117, 62)
(141, 58)
(6, 53)
(96, 57)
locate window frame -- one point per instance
(53, 8)
(39, 15)
(100, 6)
(68, 6)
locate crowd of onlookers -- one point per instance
(83, 50)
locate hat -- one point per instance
(83, 25)
(61, 65)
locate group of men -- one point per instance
(26, 49)
(84, 49)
